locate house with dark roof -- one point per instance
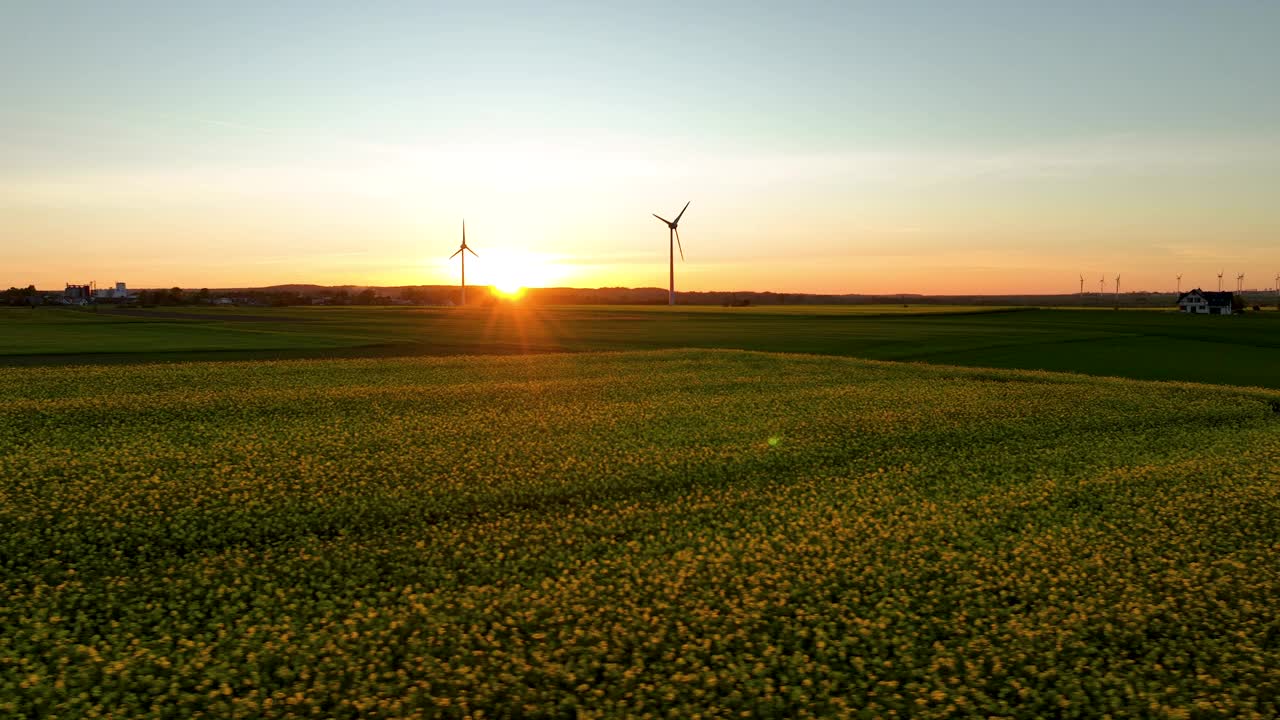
(1204, 302)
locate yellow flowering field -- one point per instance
(670, 534)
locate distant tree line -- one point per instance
(365, 297)
(203, 296)
(172, 296)
(21, 296)
(269, 297)
(430, 296)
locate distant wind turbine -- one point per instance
(673, 241)
(1101, 280)
(1219, 281)
(1240, 282)
(1081, 286)
(463, 250)
(1179, 283)
(1117, 291)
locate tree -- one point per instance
(365, 297)
(20, 296)
(1237, 303)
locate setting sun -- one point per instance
(511, 271)
(509, 292)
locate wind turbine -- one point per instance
(1081, 286)
(1117, 291)
(1101, 280)
(463, 250)
(1219, 281)
(1240, 282)
(673, 241)
(1179, 283)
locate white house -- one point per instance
(1204, 302)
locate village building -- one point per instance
(119, 292)
(1199, 301)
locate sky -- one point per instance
(832, 147)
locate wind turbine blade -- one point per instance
(686, 207)
(662, 218)
(455, 254)
(464, 233)
(473, 252)
(679, 245)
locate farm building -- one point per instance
(1201, 301)
(78, 293)
(119, 292)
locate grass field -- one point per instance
(1138, 344)
(659, 534)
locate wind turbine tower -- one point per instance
(1219, 281)
(1240, 282)
(1101, 280)
(1179, 283)
(463, 250)
(673, 241)
(1117, 291)
(1081, 286)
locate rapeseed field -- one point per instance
(661, 534)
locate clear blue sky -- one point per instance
(926, 147)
